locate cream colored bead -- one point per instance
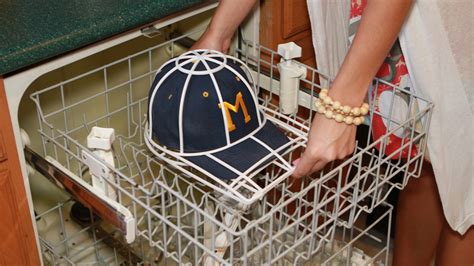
(356, 111)
(327, 100)
(346, 109)
(348, 120)
(328, 114)
(339, 118)
(357, 121)
(364, 111)
(336, 105)
(323, 94)
(321, 110)
(318, 103)
(365, 105)
(325, 91)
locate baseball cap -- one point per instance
(202, 107)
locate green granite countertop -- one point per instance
(35, 30)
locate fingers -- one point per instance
(327, 142)
(305, 164)
(309, 163)
(318, 166)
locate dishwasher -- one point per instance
(170, 214)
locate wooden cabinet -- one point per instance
(18, 243)
(284, 21)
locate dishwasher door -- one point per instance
(179, 220)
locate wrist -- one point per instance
(216, 40)
(218, 34)
(352, 96)
(333, 109)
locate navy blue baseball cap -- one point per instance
(202, 106)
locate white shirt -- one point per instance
(437, 43)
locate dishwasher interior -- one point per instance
(314, 220)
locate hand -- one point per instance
(228, 16)
(212, 41)
(379, 27)
(328, 140)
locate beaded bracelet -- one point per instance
(341, 113)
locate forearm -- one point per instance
(228, 16)
(380, 25)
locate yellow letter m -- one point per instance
(239, 102)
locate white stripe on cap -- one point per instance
(204, 56)
(221, 101)
(155, 89)
(181, 107)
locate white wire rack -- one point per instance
(65, 242)
(187, 220)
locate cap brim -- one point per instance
(247, 154)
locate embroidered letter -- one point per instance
(239, 102)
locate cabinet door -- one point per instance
(18, 243)
(284, 21)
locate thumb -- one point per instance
(304, 165)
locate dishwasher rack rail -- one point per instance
(186, 220)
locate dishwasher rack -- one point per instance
(72, 244)
(181, 219)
